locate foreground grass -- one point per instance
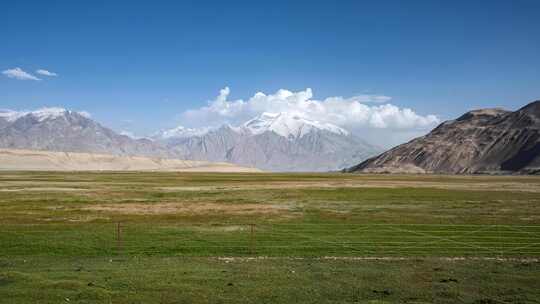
(156, 238)
(208, 280)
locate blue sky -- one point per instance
(139, 65)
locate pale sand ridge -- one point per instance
(26, 160)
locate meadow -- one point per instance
(149, 237)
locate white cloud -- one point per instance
(350, 112)
(128, 134)
(46, 73)
(133, 135)
(85, 114)
(11, 115)
(382, 123)
(18, 73)
(367, 98)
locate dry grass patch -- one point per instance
(189, 208)
(220, 228)
(365, 183)
(44, 189)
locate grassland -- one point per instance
(268, 238)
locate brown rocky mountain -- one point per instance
(481, 141)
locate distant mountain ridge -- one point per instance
(480, 141)
(57, 129)
(271, 141)
(276, 142)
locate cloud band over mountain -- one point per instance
(353, 112)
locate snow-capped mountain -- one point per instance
(288, 125)
(58, 129)
(273, 141)
(9, 116)
(41, 114)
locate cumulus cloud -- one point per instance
(132, 135)
(128, 134)
(353, 112)
(46, 73)
(371, 117)
(85, 114)
(19, 74)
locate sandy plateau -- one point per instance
(31, 160)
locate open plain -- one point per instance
(148, 237)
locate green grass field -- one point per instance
(268, 238)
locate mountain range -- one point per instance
(480, 141)
(274, 142)
(57, 129)
(271, 141)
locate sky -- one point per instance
(388, 69)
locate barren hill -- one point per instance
(480, 141)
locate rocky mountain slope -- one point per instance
(57, 129)
(275, 142)
(480, 141)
